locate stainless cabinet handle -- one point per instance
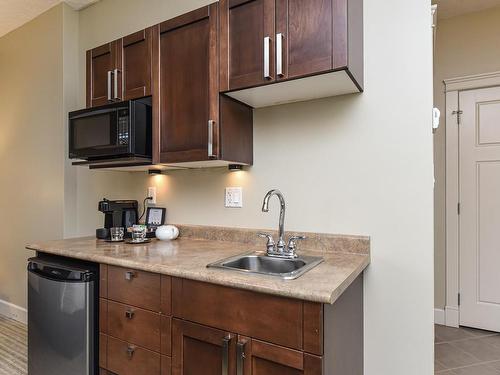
(225, 354)
(110, 73)
(129, 314)
(279, 54)
(130, 351)
(211, 124)
(267, 53)
(117, 94)
(129, 275)
(240, 357)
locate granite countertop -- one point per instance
(188, 256)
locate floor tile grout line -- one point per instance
(465, 339)
(487, 363)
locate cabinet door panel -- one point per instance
(244, 26)
(137, 56)
(261, 358)
(186, 55)
(307, 29)
(100, 61)
(201, 350)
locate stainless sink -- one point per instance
(288, 269)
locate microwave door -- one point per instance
(100, 134)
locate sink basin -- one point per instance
(257, 263)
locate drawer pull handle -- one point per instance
(240, 357)
(129, 275)
(129, 314)
(225, 354)
(130, 351)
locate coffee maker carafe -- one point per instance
(117, 213)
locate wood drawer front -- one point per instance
(134, 325)
(262, 316)
(140, 362)
(136, 288)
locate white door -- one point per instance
(479, 133)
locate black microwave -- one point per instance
(114, 131)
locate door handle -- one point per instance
(267, 54)
(115, 75)
(109, 85)
(279, 54)
(211, 125)
(129, 275)
(240, 357)
(225, 354)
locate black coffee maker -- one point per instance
(118, 213)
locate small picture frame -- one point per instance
(155, 216)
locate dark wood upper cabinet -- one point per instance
(203, 350)
(102, 63)
(137, 60)
(304, 37)
(276, 42)
(247, 43)
(193, 124)
(120, 70)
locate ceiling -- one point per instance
(14, 13)
(452, 8)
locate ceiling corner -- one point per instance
(80, 4)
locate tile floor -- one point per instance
(466, 351)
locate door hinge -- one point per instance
(458, 113)
(458, 299)
(458, 208)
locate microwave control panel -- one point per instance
(123, 128)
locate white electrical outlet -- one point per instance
(152, 194)
(234, 197)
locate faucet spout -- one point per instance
(265, 208)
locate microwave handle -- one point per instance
(109, 85)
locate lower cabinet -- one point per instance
(204, 329)
(203, 350)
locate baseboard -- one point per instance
(439, 316)
(13, 311)
(452, 316)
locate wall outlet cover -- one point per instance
(234, 197)
(152, 193)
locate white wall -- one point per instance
(465, 45)
(359, 164)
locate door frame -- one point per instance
(453, 87)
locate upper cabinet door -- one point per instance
(188, 87)
(203, 350)
(304, 37)
(247, 43)
(137, 57)
(101, 64)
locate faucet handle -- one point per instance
(270, 241)
(292, 242)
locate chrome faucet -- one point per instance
(279, 249)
